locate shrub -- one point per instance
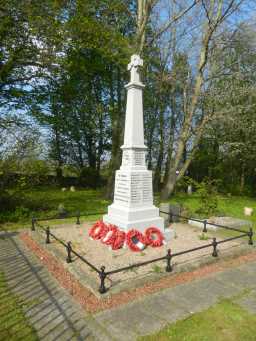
(208, 196)
(89, 177)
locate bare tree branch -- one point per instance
(176, 18)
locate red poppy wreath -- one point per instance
(110, 235)
(135, 240)
(154, 237)
(98, 230)
(119, 240)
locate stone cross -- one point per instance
(133, 198)
(136, 61)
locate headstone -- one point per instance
(230, 221)
(62, 211)
(72, 189)
(63, 189)
(175, 211)
(224, 221)
(165, 211)
(200, 224)
(133, 196)
(190, 189)
(248, 211)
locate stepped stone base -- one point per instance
(128, 219)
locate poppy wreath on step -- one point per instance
(98, 230)
(109, 237)
(135, 240)
(154, 237)
(119, 240)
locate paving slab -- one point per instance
(249, 267)
(248, 302)
(127, 322)
(238, 278)
(213, 287)
(166, 308)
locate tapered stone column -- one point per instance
(133, 197)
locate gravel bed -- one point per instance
(186, 237)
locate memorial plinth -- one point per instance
(133, 196)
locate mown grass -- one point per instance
(227, 205)
(232, 206)
(13, 323)
(44, 202)
(225, 321)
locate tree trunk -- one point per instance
(170, 143)
(116, 118)
(170, 185)
(59, 173)
(100, 146)
(150, 146)
(158, 170)
(242, 178)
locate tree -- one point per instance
(196, 111)
(230, 137)
(27, 49)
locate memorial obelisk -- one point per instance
(133, 196)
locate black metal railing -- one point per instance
(205, 222)
(168, 257)
(78, 214)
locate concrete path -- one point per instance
(152, 313)
(56, 316)
(50, 309)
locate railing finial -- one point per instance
(168, 258)
(102, 274)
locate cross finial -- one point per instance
(135, 61)
(133, 67)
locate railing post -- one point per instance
(205, 229)
(47, 241)
(78, 218)
(69, 249)
(33, 224)
(168, 258)
(102, 274)
(171, 217)
(250, 234)
(214, 244)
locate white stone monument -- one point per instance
(133, 197)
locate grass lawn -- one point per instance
(230, 206)
(225, 321)
(44, 202)
(227, 206)
(13, 323)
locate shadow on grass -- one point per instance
(28, 298)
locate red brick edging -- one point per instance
(93, 304)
